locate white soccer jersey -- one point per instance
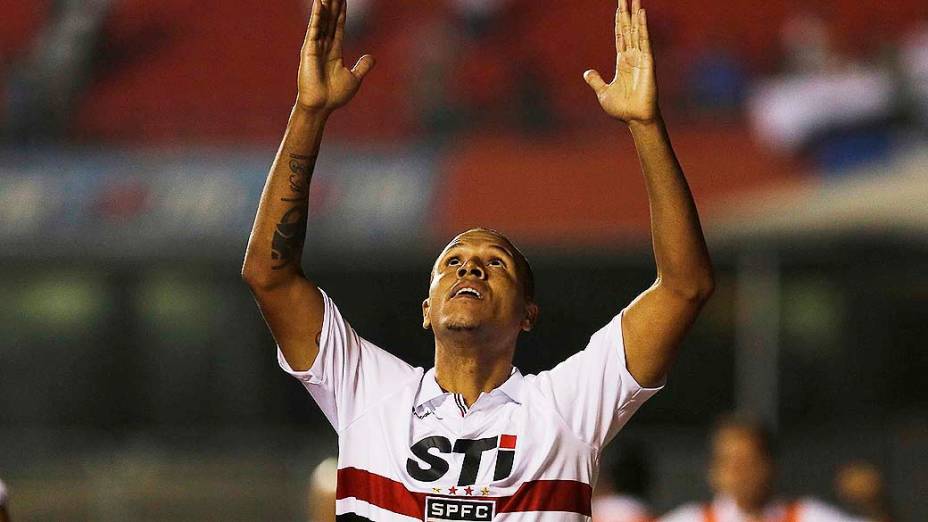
(724, 509)
(528, 450)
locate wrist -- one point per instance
(308, 116)
(643, 125)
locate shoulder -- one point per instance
(812, 509)
(619, 507)
(691, 512)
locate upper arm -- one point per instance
(293, 312)
(654, 325)
(348, 374)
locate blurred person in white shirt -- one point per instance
(741, 475)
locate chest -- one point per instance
(484, 451)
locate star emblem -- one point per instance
(485, 491)
(469, 490)
(453, 490)
(437, 490)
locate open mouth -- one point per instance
(467, 292)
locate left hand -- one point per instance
(632, 95)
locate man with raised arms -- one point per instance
(473, 438)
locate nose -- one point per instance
(471, 268)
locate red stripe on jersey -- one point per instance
(549, 495)
(537, 495)
(507, 441)
(380, 491)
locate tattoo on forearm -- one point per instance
(290, 235)
(301, 170)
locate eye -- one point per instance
(453, 261)
(497, 262)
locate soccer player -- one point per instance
(741, 474)
(473, 438)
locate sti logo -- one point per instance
(441, 509)
(430, 466)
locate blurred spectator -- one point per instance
(4, 514)
(478, 16)
(321, 491)
(741, 475)
(621, 493)
(807, 44)
(718, 82)
(861, 488)
(913, 57)
(42, 89)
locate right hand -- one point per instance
(324, 83)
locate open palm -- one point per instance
(324, 82)
(632, 94)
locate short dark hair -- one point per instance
(756, 429)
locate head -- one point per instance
(481, 286)
(630, 472)
(742, 464)
(321, 491)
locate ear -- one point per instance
(426, 322)
(531, 316)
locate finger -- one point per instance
(334, 7)
(364, 66)
(635, 18)
(594, 80)
(644, 38)
(624, 23)
(315, 23)
(619, 40)
(339, 37)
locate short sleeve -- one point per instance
(2, 494)
(350, 373)
(592, 390)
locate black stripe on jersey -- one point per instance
(351, 517)
(459, 400)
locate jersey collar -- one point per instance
(430, 390)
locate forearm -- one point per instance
(680, 252)
(275, 247)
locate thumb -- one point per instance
(594, 80)
(364, 65)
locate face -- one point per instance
(476, 288)
(741, 468)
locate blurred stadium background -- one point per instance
(138, 381)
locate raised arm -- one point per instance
(657, 320)
(291, 304)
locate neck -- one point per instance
(469, 369)
(754, 507)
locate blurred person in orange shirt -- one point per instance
(741, 474)
(621, 492)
